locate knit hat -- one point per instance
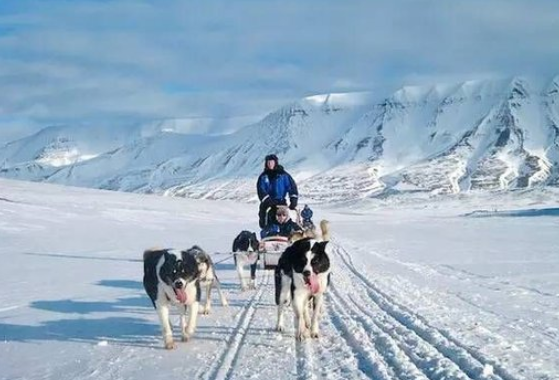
(271, 157)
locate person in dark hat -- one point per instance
(273, 187)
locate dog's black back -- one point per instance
(244, 240)
(151, 258)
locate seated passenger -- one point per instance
(306, 215)
(284, 227)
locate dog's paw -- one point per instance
(170, 345)
(280, 328)
(315, 335)
(302, 335)
(187, 335)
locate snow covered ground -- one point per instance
(452, 288)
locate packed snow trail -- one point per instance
(366, 334)
(402, 304)
(405, 334)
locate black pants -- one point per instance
(267, 216)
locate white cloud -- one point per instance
(68, 61)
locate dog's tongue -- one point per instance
(312, 283)
(181, 295)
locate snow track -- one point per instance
(409, 347)
(415, 293)
(223, 368)
(365, 334)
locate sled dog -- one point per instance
(302, 276)
(245, 252)
(208, 277)
(172, 278)
(311, 233)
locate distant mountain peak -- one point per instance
(480, 134)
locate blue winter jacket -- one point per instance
(306, 213)
(281, 229)
(276, 184)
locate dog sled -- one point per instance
(266, 252)
(271, 248)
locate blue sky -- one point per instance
(129, 61)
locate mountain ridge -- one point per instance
(487, 134)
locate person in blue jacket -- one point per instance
(273, 186)
(306, 214)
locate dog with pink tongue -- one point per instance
(301, 278)
(173, 278)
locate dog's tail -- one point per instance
(148, 253)
(325, 229)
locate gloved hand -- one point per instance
(292, 203)
(266, 203)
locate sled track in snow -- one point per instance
(305, 360)
(391, 341)
(223, 367)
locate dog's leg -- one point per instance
(193, 315)
(252, 284)
(221, 295)
(239, 265)
(182, 310)
(163, 313)
(208, 305)
(283, 296)
(317, 312)
(307, 313)
(299, 303)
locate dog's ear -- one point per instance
(169, 266)
(170, 258)
(184, 254)
(319, 247)
(189, 259)
(254, 236)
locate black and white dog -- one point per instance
(173, 278)
(301, 277)
(245, 252)
(208, 277)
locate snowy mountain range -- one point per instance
(498, 134)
